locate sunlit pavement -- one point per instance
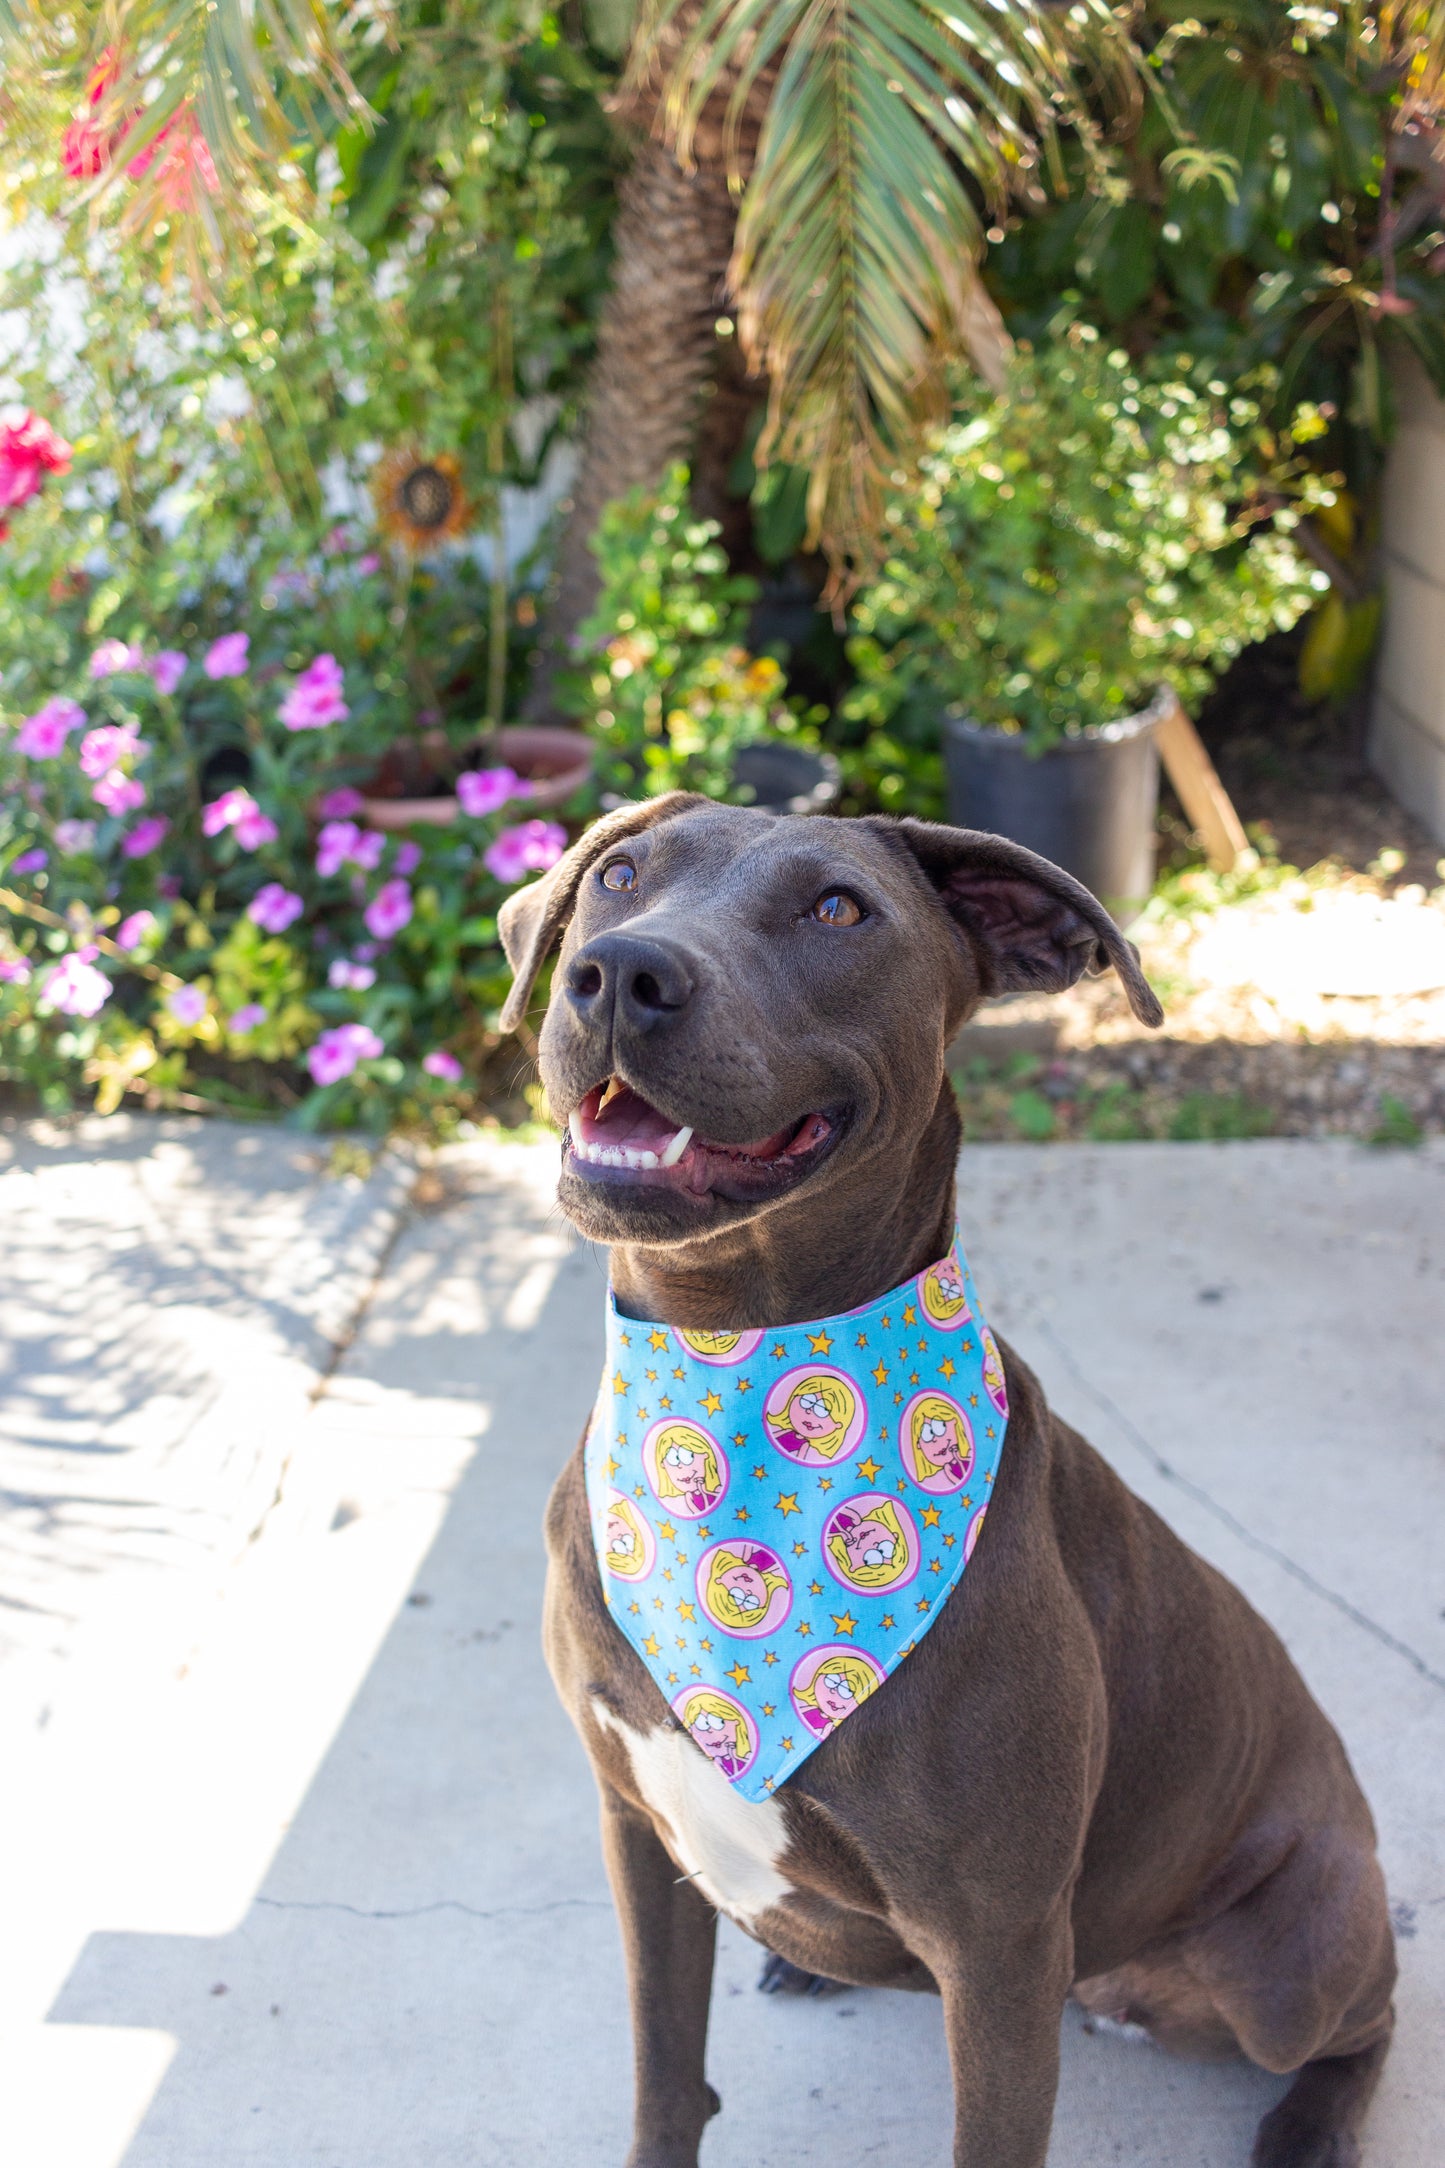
(299, 1855)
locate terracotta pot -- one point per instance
(555, 762)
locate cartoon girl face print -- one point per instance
(936, 1443)
(721, 1348)
(744, 1588)
(942, 1296)
(685, 1465)
(828, 1684)
(815, 1415)
(871, 1544)
(629, 1547)
(993, 1383)
(718, 1723)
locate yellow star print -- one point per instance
(805, 1629)
(819, 1342)
(880, 1375)
(667, 1532)
(868, 1468)
(910, 1315)
(712, 1402)
(787, 1502)
(619, 1382)
(947, 1367)
(650, 1644)
(656, 1340)
(610, 1467)
(686, 1610)
(845, 1624)
(740, 1675)
(929, 1516)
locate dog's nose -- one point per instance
(640, 982)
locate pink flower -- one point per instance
(74, 986)
(247, 1018)
(367, 849)
(168, 885)
(408, 857)
(481, 791)
(187, 1004)
(73, 837)
(139, 927)
(105, 748)
(168, 666)
(532, 848)
(115, 655)
(255, 828)
(118, 793)
(440, 1063)
(29, 448)
(30, 861)
(229, 656)
(389, 910)
(14, 970)
(368, 564)
(339, 805)
(342, 843)
(146, 836)
(274, 908)
(315, 699)
(238, 809)
(85, 149)
(350, 977)
(42, 736)
(337, 1052)
(185, 160)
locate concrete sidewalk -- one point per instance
(312, 1877)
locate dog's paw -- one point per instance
(779, 1977)
(1285, 2140)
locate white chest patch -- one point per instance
(727, 1845)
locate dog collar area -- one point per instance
(779, 1515)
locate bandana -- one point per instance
(778, 1516)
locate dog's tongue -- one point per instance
(616, 1118)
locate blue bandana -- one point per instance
(778, 1516)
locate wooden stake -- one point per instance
(1204, 798)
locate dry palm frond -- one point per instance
(856, 262)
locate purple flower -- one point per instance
(408, 857)
(315, 699)
(238, 809)
(255, 828)
(368, 564)
(367, 849)
(42, 735)
(74, 986)
(337, 1052)
(187, 1004)
(229, 656)
(339, 805)
(114, 655)
(440, 1063)
(168, 885)
(342, 843)
(168, 667)
(481, 791)
(389, 910)
(105, 748)
(119, 793)
(14, 970)
(532, 848)
(30, 861)
(73, 837)
(354, 978)
(247, 1018)
(139, 927)
(146, 836)
(274, 908)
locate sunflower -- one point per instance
(419, 499)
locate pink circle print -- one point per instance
(744, 1587)
(628, 1548)
(721, 1349)
(828, 1684)
(870, 1543)
(935, 1442)
(993, 1382)
(686, 1467)
(815, 1414)
(721, 1725)
(941, 1296)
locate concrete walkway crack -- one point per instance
(441, 1904)
(1226, 1519)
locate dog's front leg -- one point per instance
(1003, 2000)
(668, 1936)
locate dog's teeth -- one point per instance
(676, 1149)
(615, 1086)
(647, 1159)
(574, 1131)
(631, 1158)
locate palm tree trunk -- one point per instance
(656, 354)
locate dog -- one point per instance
(1098, 1772)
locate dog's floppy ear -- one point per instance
(1031, 925)
(532, 919)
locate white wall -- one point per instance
(1407, 737)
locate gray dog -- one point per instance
(1098, 1772)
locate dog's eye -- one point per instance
(837, 908)
(621, 873)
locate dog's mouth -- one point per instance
(614, 1134)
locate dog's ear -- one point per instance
(1031, 925)
(532, 919)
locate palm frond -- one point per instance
(891, 125)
